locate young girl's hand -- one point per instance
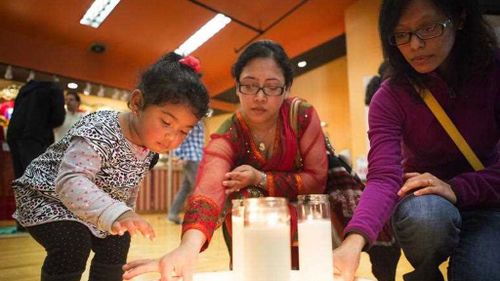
(240, 177)
(178, 263)
(132, 222)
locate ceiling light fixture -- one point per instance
(72, 85)
(302, 63)
(98, 12)
(203, 34)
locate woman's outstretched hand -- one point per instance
(178, 263)
(347, 256)
(426, 183)
(240, 177)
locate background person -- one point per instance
(190, 153)
(73, 114)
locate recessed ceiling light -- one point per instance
(203, 34)
(302, 63)
(72, 85)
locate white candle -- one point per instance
(315, 249)
(267, 253)
(237, 229)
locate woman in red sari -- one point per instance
(254, 153)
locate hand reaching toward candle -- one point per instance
(241, 177)
(347, 256)
(178, 263)
(132, 222)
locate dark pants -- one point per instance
(68, 245)
(23, 152)
(384, 261)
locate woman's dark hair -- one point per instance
(169, 81)
(265, 49)
(75, 95)
(472, 52)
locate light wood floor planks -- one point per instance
(21, 257)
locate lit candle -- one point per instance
(315, 249)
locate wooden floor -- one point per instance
(21, 257)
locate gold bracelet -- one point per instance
(263, 180)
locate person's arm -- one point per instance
(385, 176)
(385, 171)
(312, 177)
(77, 191)
(480, 188)
(57, 111)
(206, 202)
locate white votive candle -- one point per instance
(315, 249)
(267, 253)
(238, 247)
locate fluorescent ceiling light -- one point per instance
(98, 12)
(72, 85)
(302, 63)
(203, 34)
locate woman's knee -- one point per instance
(427, 216)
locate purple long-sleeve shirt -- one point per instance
(406, 137)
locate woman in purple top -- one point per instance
(440, 206)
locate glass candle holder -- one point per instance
(315, 237)
(237, 238)
(266, 236)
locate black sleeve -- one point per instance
(57, 111)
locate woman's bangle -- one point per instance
(263, 180)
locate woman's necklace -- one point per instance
(260, 140)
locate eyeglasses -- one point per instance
(424, 33)
(267, 90)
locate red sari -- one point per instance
(288, 175)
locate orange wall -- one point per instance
(364, 55)
(326, 89)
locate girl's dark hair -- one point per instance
(265, 49)
(472, 52)
(169, 81)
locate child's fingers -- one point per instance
(117, 228)
(146, 229)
